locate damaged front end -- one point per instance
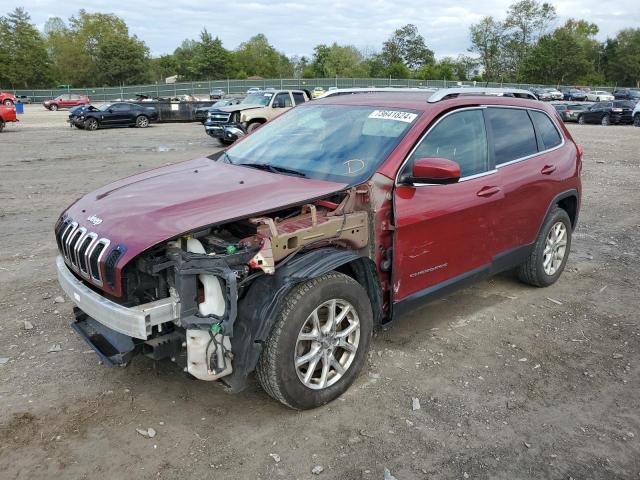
(196, 299)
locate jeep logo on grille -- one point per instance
(95, 220)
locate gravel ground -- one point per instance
(512, 381)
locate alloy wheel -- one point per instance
(143, 122)
(555, 248)
(605, 120)
(327, 344)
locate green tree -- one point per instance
(487, 40)
(406, 46)
(343, 61)
(622, 58)
(210, 59)
(258, 57)
(23, 54)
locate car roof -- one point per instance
(418, 100)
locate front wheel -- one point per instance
(1, 125)
(581, 120)
(142, 121)
(636, 120)
(606, 121)
(224, 141)
(53, 107)
(8, 103)
(252, 126)
(318, 345)
(91, 124)
(550, 251)
(597, 99)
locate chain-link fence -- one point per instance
(203, 88)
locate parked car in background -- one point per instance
(317, 92)
(24, 99)
(636, 115)
(283, 253)
(253, 90)
(7, 115)
(67, 100)
(113, 115)
(227, 124)
(549, 94)
(202, 113)
(574, 94)
(7, 99)
(600, 96)
(607, 113)
(570, 112)
(216, 94)
(627, 94)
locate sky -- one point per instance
(296, 27)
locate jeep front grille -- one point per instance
(81, 249)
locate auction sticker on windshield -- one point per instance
(407, 117)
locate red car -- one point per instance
(67, 100)
(7, 99)
(7, 114)
(281, 254)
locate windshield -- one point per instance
(326, 142)
(257, 99)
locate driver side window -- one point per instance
(282, 100)
(460, 137)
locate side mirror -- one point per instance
(432, 170)
(110, 110)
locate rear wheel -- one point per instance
(319, 343)
(91, 124)
(636, 120)
(142, 121)
(597, 99)
(8, 103)
(53, 107)
(550, 251)
(1, 125)
(606, 121)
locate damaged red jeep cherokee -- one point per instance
(281, 254)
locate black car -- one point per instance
(573, 94)
(203, 112)
(627, 94)
(607, 113)
(118, 114)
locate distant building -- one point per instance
(172, 79)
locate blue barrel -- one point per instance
(19, 108)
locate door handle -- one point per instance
(488, 191)
(548, 169)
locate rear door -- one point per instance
(524, 144)
(444, 233)
(122, 114)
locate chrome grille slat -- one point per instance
(76, 251)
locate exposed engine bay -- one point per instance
(208, 272)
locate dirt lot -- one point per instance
(513, 381)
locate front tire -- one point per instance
(550, 251)
(8, 103)
(224, 141)
(581, 120)
(636, 120)
(252, 126)
(1, 125)
(142, 121)
(91, 124)
(53, 107)
(318, 345)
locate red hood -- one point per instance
(145, 209)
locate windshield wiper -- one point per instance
(272, 168)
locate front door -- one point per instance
(444, 233)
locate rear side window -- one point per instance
(298, 97)
(513, 134)
(547, 132)
(460, 137)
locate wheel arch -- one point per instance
(569, 201)
(259, 306)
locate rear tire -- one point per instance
(1, 125)
(8, 103)
(142, 121)
(606, 121)
(335, 353)
(550, 251)
(636, 120)
(597, 99)
(53, 107)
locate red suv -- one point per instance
(281, 254)
(67, 100)
(7, 99)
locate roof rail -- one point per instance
(349, 91)
(446, 93)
